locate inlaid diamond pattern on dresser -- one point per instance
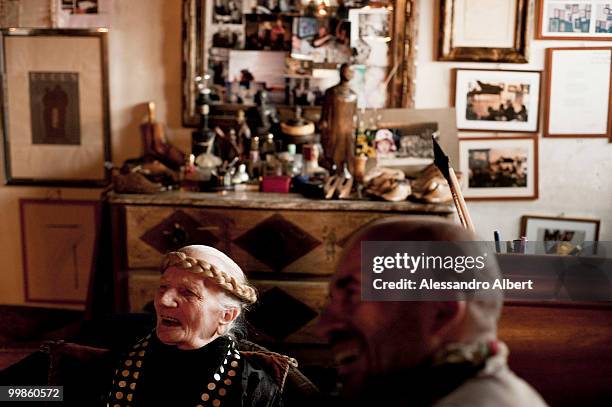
(277, 242)
(178, 230)
(278, 314)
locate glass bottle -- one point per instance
(254, 164)
(268, 147)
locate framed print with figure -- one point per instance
(499, 167)
(579, 95)
(497, 100)
(58, 242)
(55, 109)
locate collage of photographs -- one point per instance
(312, 39)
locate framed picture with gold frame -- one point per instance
(59, 239)
(463, 35)
(55, 107)
(392, 79)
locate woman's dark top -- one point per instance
(175, 377)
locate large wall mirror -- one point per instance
(292, 48)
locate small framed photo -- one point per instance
(82, 13)
(579, 95)
(499, 168)
(573, 20)
(58, 242)
(227, 12)
(268, 32)
(55, 109)
(491, 100)
(559, 229)
(505, 37)
(321, 40)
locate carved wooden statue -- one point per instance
(337, 125)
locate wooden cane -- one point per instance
(442, 162)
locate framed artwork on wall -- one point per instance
(378, 38)
(550, 228)
(492, 100)
(504, 38)
(499, 168)
(578, 97)
(55, 108)
(58, 243)
(574, 20)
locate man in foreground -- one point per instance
(417, 353)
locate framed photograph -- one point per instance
(408, 148)
(55, 111)
(59, 243)
(227, 12)
(268, 32)
(370, 35)
(579, 95)
(574, 20)
(499, 168)
(369, 84)
(321, 40)
(82, 13)
(552, 230)
(497, 100)
(463, 37)
(227, 36)
(310, 90)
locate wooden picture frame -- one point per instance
(571, 20)
(496, 100)
(545, 228)
(55, 107)
(59, 241)
(507, 172)
(566, 113)
(400, 69)
(454, 41)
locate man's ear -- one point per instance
(229, 315)
(447, 318)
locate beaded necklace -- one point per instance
(127, 376)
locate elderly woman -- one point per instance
(192, 358)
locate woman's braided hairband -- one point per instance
(244, 292)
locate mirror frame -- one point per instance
(401, 87)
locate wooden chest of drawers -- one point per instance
(288, 246)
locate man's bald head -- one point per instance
(481, 316)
